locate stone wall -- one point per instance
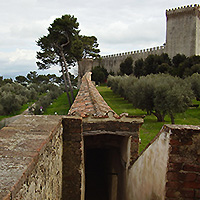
(183, 175)
(45, 180)
(183, 31)
(73, 160)
(30, 161)
(112, 62)
(169, 167)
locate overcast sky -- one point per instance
(119, 25)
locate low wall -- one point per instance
(169, 168)
(31, 158)
(146, 178)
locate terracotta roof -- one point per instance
(89, 102)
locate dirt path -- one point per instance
(6, 121)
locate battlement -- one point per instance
(152, 50)
(184, 9)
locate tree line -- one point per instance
(179, 65)
(32, 87)
(158, 94)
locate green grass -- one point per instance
(151, 127)
(59, 105)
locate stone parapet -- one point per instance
(30, 158)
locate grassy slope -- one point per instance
(59, 105)
(150, 127)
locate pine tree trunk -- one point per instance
(68, 77)
(65, 82)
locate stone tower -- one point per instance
(183, 31)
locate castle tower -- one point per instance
(183, 31)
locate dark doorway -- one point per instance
(102, 169)
(96, 174)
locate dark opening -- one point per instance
(103, 174)
(96, 174)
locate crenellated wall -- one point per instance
(112, 62)
(182, 36)
(183, 31)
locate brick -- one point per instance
(174, 150)
(174, 184)
(193, 185)
(190, 177)
(173, 193)
(194, 168)
(172, 176)
(175, 166)
(189, 193)
(197, 193)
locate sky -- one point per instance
(119, 25)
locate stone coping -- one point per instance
(89, 101)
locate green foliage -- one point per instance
(194, 80)
(44, 101)
(180, 65)
(59, 106)
(13, 96)
(139, 68)
(99, 74)
(159, 94)
(126, 67)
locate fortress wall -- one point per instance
(112, 62)
(169, 168)
(182, 30)
(198, 36)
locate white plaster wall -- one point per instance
(147, 178)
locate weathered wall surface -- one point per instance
(73, 160)
(183, 175)
(169, 168)
(45, 180)
(183, 31)
(146, 179)
(30, 158)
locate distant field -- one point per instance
(151, 127)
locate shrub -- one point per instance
(194, 80)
